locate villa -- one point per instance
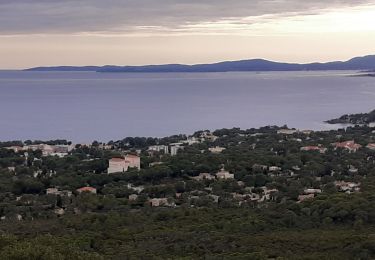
(203, 176)
(158, 202)
(122, 164)
(349, 145)
(287, 131)
(87, 189)
(314, 148)
(224, 175)
(159, 148)
(216, 149)
(175, 147)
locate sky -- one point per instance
(136, 32)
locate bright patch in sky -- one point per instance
(360, 19)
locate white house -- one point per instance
(216, 149)
(122, 164)
(175, 147)
(274, 169)
(203, 176)
(158, 202)
(287, 131)
(117, 165)
(224, 175)
(312, 191)
(159, 148)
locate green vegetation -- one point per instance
(294, 195)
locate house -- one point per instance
(208, 136)
(15, 149)
(347, 187)
(105, 146)
(57, 192)
(287, 131)
(63, 148)
(86, 189)
(349, 145)
(18, 217)
(122, 164)
(32, 147)
(60, 155)
(133, 197)
(191, 140)
(352, 169)
(314, 148)
(238, 196)
(158, 202)
(59, 211)
(216, 149)
(269, 193)
(53, 191)
(305, 197)
(274, 169)
(204, 176)
(241, 183)
(134, 161)
(155, 164)
(307, 132)
(117, 165)
(312, 191)
(46, 149)
(254, 197)
(11, 169)
(175, 147)
(259, 167)
(224, 175)
(137, 189)
(159, 148)
(50, 150)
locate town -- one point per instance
(213, 161)
(256, 170)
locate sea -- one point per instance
(88, 106)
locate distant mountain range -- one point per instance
(358, 63)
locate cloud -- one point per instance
(126, 16)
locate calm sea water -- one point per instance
(86, 106)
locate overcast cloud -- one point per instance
(68, 16)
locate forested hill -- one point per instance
(358, 63)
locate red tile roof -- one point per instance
(351, 145)
(86, 189)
